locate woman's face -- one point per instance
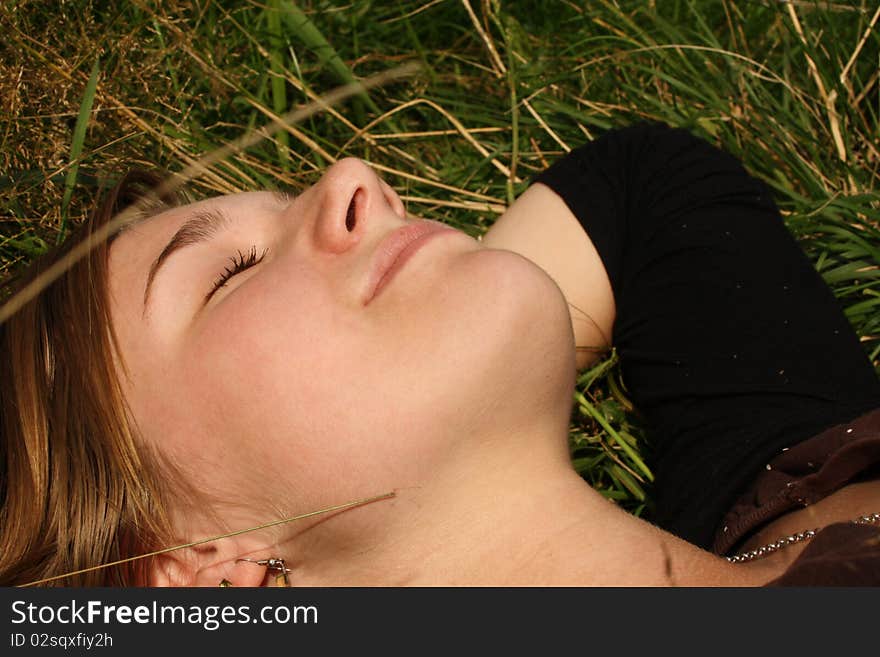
(307, 351)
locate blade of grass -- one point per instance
(278, 74)
(76, 145)
(630, 452)
(627, 481)
(306, 31)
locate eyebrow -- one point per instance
(200, 227)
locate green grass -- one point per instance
(790, 88)
(76, 145)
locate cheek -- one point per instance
(266, 376)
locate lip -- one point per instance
(397, 248)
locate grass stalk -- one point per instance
(76, 145)
(304, 29)
(278, 75)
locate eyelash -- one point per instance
(240, 263)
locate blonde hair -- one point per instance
(77, 488)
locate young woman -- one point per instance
(225, 363)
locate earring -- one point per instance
(225, 583)
(273, 565)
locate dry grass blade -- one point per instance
(845, 72)
(546, 127)
(497, 64)
(288, 128)
(828, 99)
(464, 132)
(273, 523)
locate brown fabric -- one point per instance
(843, 554)
(803, 475)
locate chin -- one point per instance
(514, 348)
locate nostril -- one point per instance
(351, 214)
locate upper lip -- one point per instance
(393, 246)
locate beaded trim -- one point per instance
(791, 539)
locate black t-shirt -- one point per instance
(732, 346)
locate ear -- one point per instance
(206, 566)
(168, 570)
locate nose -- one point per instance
(350, 197)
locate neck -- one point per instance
(526, 519)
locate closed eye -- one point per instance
(240, 262)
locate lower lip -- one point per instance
(405, 255)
